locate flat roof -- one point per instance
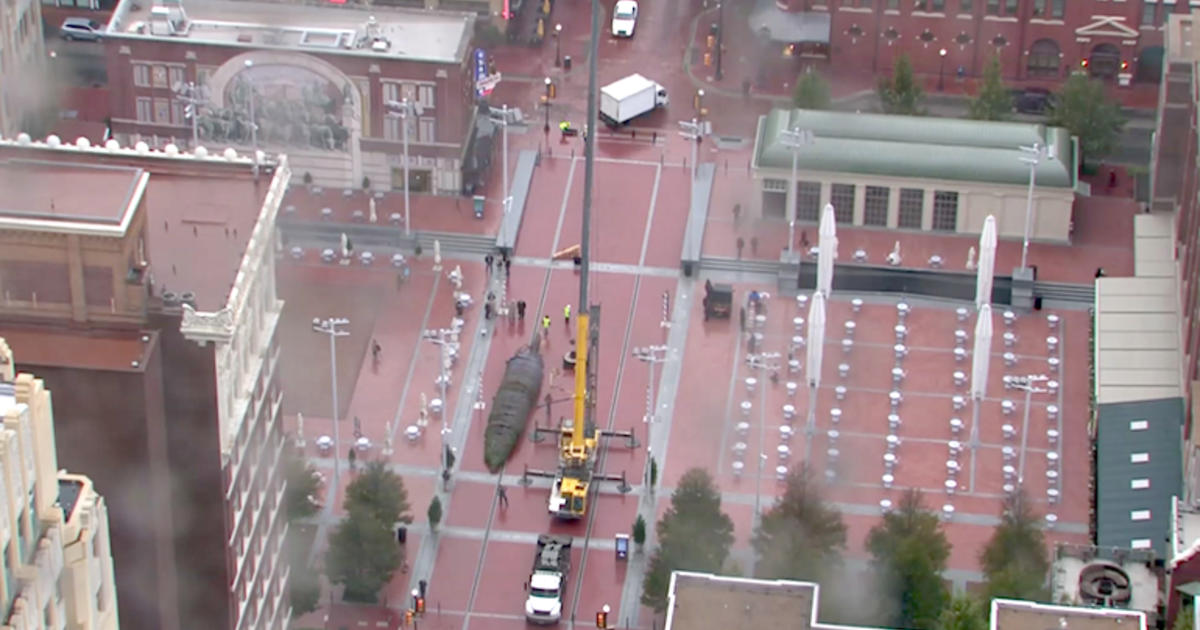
(700, 601)
(917, 147)
(384, 32)
(1009, 614)
(1137, 324)
(112, 350)
(1185, 535)
(68, 196)
(1139, 469)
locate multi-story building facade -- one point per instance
(58, 567)
(23, 90)
(1034, 39)
(317, 81)
(143, 293)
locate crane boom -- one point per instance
(581, 379)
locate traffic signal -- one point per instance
(408, 617)
(602, 620)
(420, 605)
(553, 91)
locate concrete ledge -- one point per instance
(510, 225)
(693, 235)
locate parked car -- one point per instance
(1032, 100)
(624, 18)
(80, 28)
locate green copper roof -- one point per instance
(918, 147)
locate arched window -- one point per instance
(1044, 58)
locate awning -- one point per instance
(789, 28)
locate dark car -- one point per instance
(1032, 100)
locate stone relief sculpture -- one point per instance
(292, 107)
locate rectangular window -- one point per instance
(162, 111)
(1139, 458)
(177, 117)
(426, 129)
(145, 110)
(1140, 543)
(939, 6)
(1149, 16)
(945, 211)
(141, 75)
(993, 7)
(875, 206)
(1010, 7)
(425, 96)
(912, 208)
(391, 92)
(842, 198)
(966, 7)
(1058, 8)
(176, 76)
(1139, 425)
(1139, 484)
(392, 129)
(1039, 8)
(1139, 515)
(158, 75)
(808, 201)
(203, 75)
(775, 185)
(893, 5)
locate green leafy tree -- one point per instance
(1015, 562)
(802, 537)
(693, 535)
(1086, 111)
(304, 592)
(995, 100)
(963, 613)
(811, 91)
(362, 555)
(302, 483)
(639, 531)
(901, 94)
(381, 492)
(434, 513)
(1184, 619)
(910, 551)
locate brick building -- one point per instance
(1034, 39)
(316, 80)
(22, 65)
(140, 286)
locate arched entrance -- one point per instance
(302, 103)
(1150, 64)
(1045, 57)
(1105, 61)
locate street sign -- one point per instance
(480, 68)
(486, 84)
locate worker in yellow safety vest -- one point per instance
(567, 314)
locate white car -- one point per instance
(624, 18)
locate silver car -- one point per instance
(74, 28)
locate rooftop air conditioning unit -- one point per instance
(381, 45)
(170, 298)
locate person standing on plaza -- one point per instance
(567, 315)
(521, 309)
(487, 262)
(502, 494)
(546, 326)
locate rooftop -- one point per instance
(700, 601)
(200, 209)
(115, 350)
(99, 199)
(916, 147)
(412, 34)
(1008, 614)
(1139, 470)
(1185, 535)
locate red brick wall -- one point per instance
(859, 40)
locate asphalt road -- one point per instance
(1132, 150)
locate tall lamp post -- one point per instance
(404, 109)
(693, 131)
(501, 116)
(546, 103)
(557, 48)
(443, 339)
(794, 139)
(193, 96)
(720, 36)
(651, 355)
(942, 70)
(334, 327)
(1033, 156)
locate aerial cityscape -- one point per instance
(646, 314)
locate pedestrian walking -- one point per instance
(507, 268)
(503, 496)
(803, 241)
(352, 456)
(487, 310)
(459, 308)
(567, 315)
(487, 261)
(737, 212)
(520, 309)
(376, 350)
(546, 326)
(741, 244)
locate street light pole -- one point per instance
(1028, 384)
(193, 96)
(795, 139)
(942, 70)
(501, 117)
(651, 355)
(720, 36)
(546, 126)
(404, 109)
(333, 327)
(1034, 156)
(692, 131)
(557, 49)
(441, 338)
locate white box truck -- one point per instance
(623, 100)
(548, 581)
